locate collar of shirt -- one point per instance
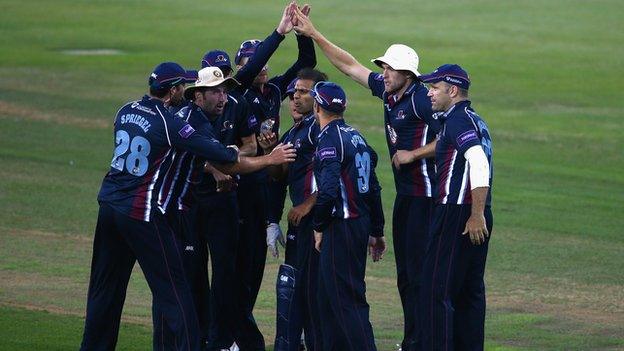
(393, 99)
(443, 116)
(337, 121)
(152, 100)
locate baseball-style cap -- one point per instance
(210, 77)
(247, 49)
(400, 58)
(450, 73)
(330, 96)
(216, 58)
(170, 74)
(291, 87)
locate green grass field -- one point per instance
(547, 77)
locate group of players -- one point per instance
(201, 170)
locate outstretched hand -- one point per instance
(301, 21)
(286, 24)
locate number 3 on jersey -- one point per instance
(136, 162)
(362, 164)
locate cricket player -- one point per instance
(298, 279)
(454, 291)
(342, 224)
(410, 132)
(250, 251)
(190, 186)
(131, 226)
(264, 97)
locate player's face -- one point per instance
(213, 101)
(177, 95)
(393, 80)
(291, 107)
(439, 93)
(261, 78)
(304, 102)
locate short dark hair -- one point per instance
(312, 74)
(159, 92)
(463, 92)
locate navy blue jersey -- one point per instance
(409, 125)
(198, 184)
(145, 137)
(301, 182)
(344, 174)
(266, 104)
(461, 129)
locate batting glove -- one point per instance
(274, 236)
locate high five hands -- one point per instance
(290, 17)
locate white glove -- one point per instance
(274, 236)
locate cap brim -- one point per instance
(230, 83)
(393, 64)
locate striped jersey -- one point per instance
(146, 137)
(461, 129)
(408, 125)
(344, 170)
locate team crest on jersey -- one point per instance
(186, 131)
(227, 125)
(400, 114)
(392, 134)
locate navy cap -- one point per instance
(291, 87)
(170, 74)
(216, 58)
(450, 73)
(247, 49)
(330, 96)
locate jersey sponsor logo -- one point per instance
(378, 77)
(136, 119)
(186, 131)
(328, 152)
(392, 134)
(137, 106)
(400, 115)
(466, 137)
(256, 101)
(252, 121)
(189, 248)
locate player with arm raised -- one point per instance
(410, 128)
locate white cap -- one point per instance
(210, 77)
(400, 58)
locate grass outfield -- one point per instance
(546, 77)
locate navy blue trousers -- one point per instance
(250, 260)
(193, 251)
(453, 295)
(217, 223)
(410, 238)
(119, 242)
(304, 312)
(344, 312)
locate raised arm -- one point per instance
(247, 73)
(340, 58)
